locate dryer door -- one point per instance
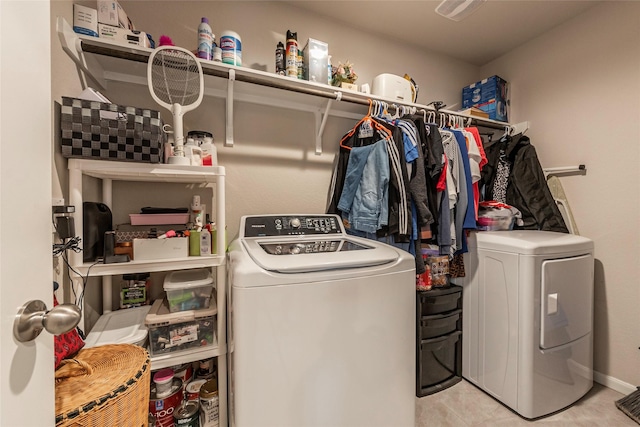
(566, 300)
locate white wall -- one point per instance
(579, 85)
(273, 168)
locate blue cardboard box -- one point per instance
(490, 95)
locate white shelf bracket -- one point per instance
(321, 121)
(521, 127)
(229, 124)
(71, 45)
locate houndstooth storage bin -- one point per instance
(121, 133)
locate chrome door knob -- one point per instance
(33, 317)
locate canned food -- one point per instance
(206, 369)
(209, 410)
(192, 391)
(162, 408)
(186, 415)
(184, 372)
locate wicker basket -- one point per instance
(104, 386)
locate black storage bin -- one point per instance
(99, 130)
(440, 363)
(438, 339)
(440, 324)
(438, 301)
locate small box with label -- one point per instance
(148, 249)
(123, 36)
(111, 13)
(85, 20)
(182, 330)
(490, 95)
(316, 61)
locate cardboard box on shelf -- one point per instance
(476, 112)
(85, 20)
(111, 13)
(490, 95)
(123, 36)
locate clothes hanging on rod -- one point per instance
(525, 187)
(445, 169)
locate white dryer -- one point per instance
(322, 326)
(528, 318)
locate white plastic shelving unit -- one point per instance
(108, 171)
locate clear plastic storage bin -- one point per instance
(188, 289)
(183, 330)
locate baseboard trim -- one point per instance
(613, 383)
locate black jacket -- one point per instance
(527, 189)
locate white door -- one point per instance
(26, 370)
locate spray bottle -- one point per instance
(280, 67)
(205, 40)
(291, 57)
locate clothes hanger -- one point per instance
(376, 125)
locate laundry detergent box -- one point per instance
(490, 95)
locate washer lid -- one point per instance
(530, 242)
(300, 255)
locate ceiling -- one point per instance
(495, 28)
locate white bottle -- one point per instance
(209, 152)
(205, 242)
(197, 209)
(205, 40)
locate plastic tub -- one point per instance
(120, 327)
(188, 289)
(163, 379)
(184, 330)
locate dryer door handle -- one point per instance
(552, 304)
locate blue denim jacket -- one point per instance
(365, 196)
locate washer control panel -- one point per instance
(291, 225)
(310, 247)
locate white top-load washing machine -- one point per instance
(322, 326)
(528, 318)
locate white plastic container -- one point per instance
(209, 152)
(120, 327)
(231, 46)
(392, 87)
(163, 380)
(188, 289)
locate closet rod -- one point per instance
(264, 78)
